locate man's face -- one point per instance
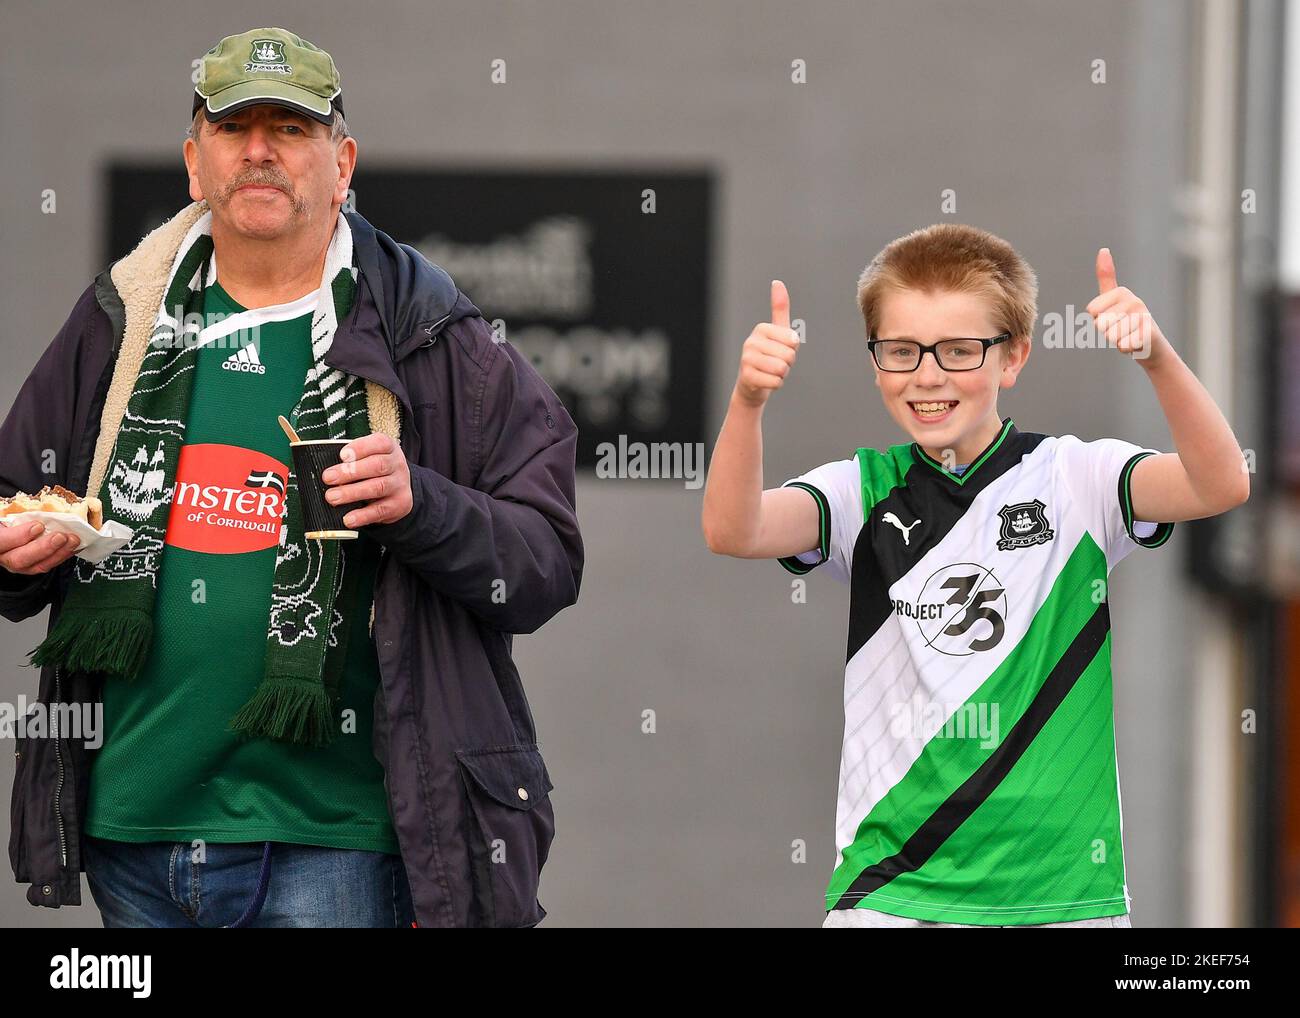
(971, 396)
(268, 171)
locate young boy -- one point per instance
(978, 779)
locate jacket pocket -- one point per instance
(512, 824)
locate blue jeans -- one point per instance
(159, 883)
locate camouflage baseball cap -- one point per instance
(268, 65)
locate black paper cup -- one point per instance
(320, 519)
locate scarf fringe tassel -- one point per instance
(288, 709)
(92, 642)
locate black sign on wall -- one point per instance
(601, 278)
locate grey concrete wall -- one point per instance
(694, 825)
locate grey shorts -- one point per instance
(866, 918)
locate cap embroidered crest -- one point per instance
(268, 66)
(268, 55)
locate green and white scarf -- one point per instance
(107, 623)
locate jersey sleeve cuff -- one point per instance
(1163, 531)
(795, 564)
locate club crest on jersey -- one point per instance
(1024, 524)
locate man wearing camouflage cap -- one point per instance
(297, 731)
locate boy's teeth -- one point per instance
(934, 407)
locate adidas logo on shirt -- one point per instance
(244, 359)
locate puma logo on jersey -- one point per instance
(906, 530)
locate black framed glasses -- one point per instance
(949, 354)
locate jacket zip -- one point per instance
(383, 549)
(58, 756)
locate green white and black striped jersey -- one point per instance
(978, 776)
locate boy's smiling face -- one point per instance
(972, 420)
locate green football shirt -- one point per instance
(978, 775)
(168, 768)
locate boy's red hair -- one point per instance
(959, 258)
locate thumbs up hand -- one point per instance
(1123, 318)
(769, 352)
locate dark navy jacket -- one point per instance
(491, 451)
